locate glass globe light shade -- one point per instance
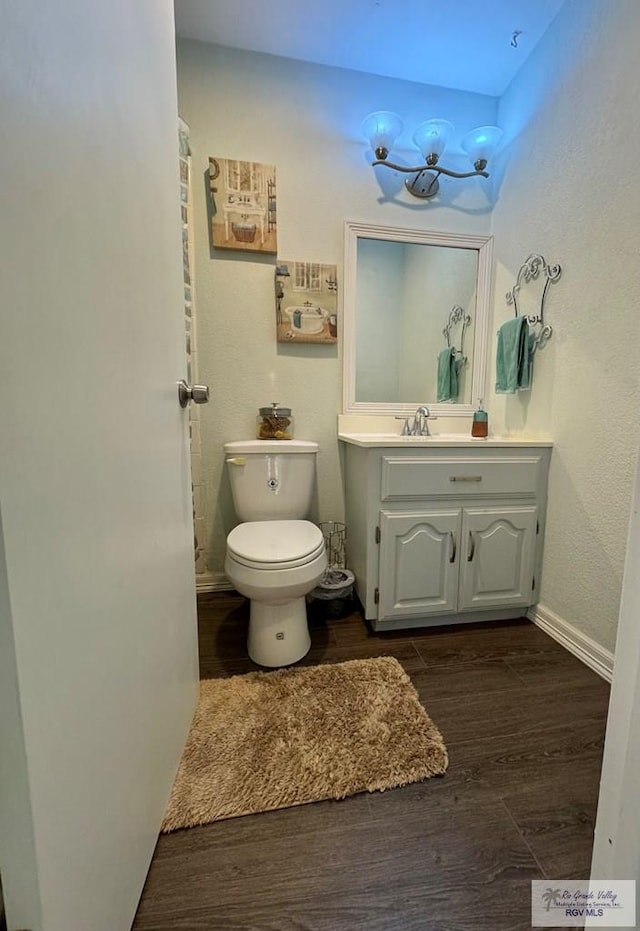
(382, 128)
(431, 138)
(481, 143)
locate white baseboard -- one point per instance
(591, 653)
(212, 582)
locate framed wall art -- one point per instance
(306, 302)
(243, 205)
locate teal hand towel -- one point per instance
(447, 376)
(514, 356)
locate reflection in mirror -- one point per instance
(404, 295)
(402, 288)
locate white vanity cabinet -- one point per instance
(445, 534)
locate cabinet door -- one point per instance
(498, 555)
(419, 562)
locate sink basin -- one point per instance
(395, 439)
(423, 439)
(413, 439)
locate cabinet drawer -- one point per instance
(420, 478)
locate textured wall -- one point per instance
(573, 109)
(305, 119)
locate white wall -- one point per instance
(570, 191)
(306, 120)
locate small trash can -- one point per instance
(334, 593)
(335, 541)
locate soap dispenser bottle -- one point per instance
(480, 425)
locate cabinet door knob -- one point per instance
(452, 557)
(472, 546)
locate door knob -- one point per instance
(199, 394)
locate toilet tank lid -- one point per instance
(270, 446)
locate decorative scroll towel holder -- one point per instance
(457, 315)
(531, 270)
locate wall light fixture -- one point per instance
(382, 128)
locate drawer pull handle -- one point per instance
(472, 546)
(465, 478)
(452, 557)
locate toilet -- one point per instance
(274, 557)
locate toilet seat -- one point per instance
(275, 544)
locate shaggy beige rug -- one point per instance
(270, 740)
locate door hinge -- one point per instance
(533, 583)
(377, 534)
(376, 596)
(537, 527)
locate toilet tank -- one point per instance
(271, 480)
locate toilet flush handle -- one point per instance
(237, 460)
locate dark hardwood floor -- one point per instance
(524, 723)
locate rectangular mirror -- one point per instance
(409, 297)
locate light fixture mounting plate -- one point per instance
(424, 185)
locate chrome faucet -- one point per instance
(420, 425)
(421, 421)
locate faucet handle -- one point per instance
(406, 431)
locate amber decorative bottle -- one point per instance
(480, 425)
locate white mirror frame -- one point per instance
(354, 230)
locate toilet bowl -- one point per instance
(275, 557)
(276, 563)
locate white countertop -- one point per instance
(438, 440)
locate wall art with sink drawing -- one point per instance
(243, 205)
(306, 302)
